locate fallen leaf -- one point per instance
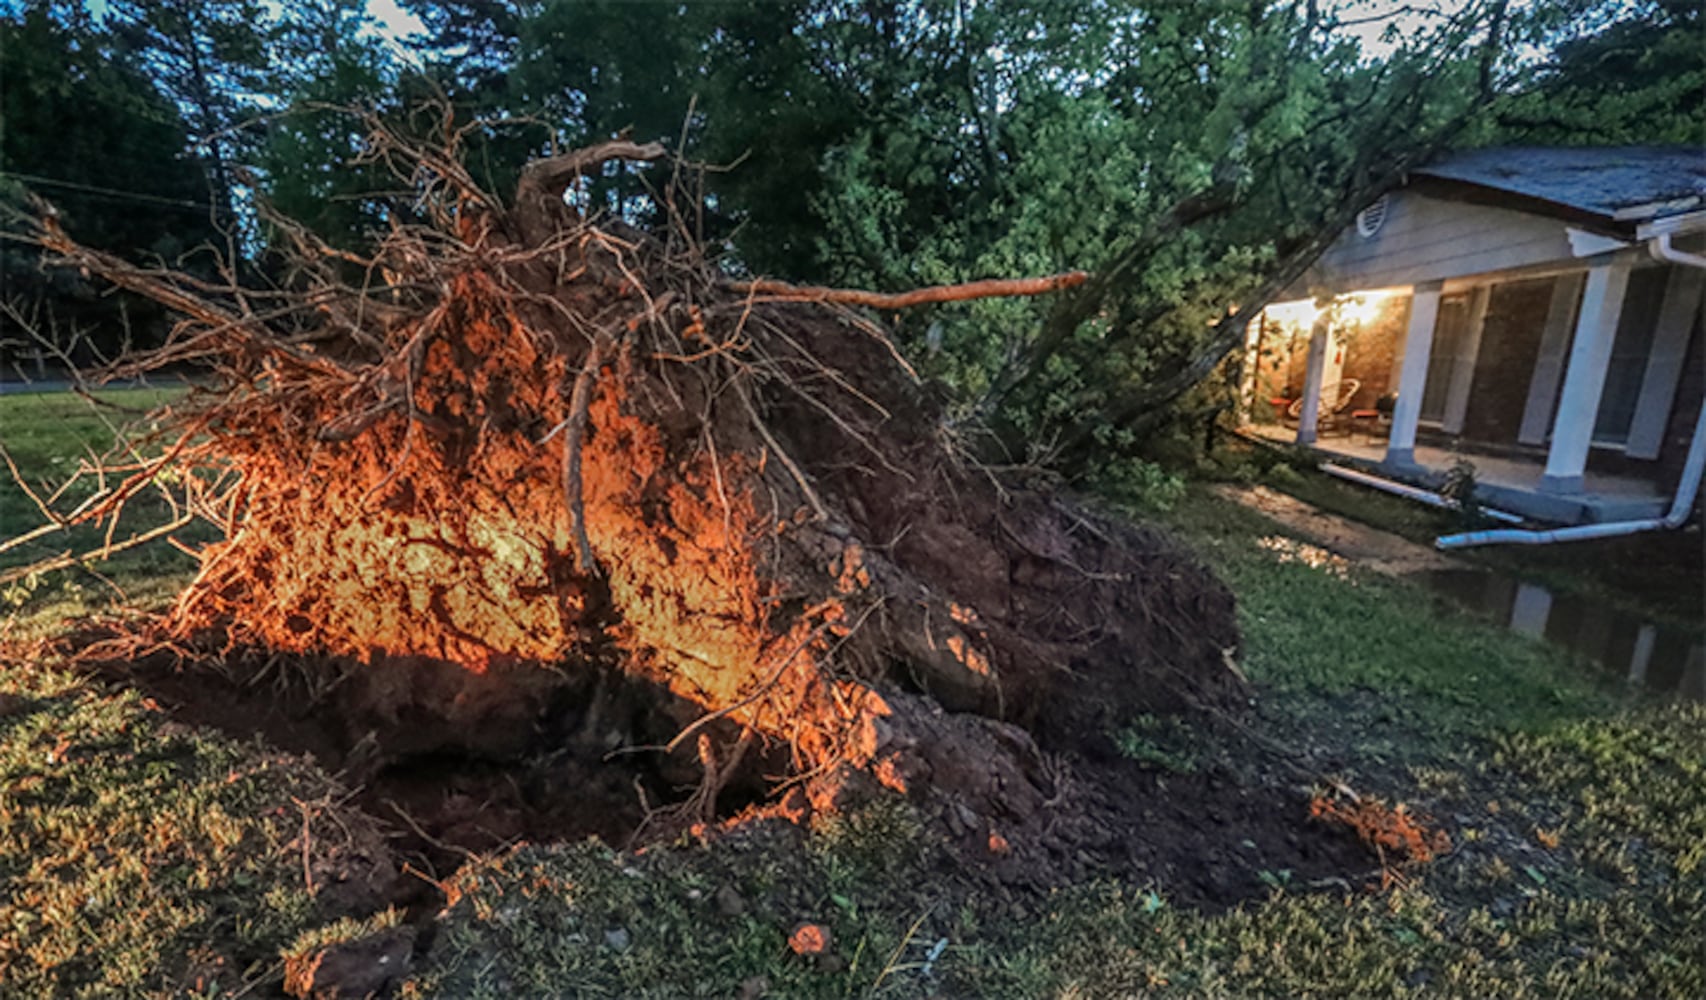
(810, 939)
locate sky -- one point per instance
(395, 23)
(1371, 19)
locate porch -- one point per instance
(1574, 393)
(1505, 482)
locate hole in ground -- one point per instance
(577, 757)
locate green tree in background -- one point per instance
(84, 127)
(1638, 79)
(327, 64)
(211, 57)
(576, 72)
(473, 43)
(1194, 155)
(606, 67)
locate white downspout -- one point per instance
(1686, 490)
(1661, 249)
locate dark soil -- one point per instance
(1202, 838)
(556, 780)
(1205, 838)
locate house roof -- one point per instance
(1614, 187)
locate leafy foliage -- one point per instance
(210, 58)
(326, 61)
(85, 127)
(1635, 80)
(1194, 156)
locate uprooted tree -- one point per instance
(520, 459)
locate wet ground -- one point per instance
(1651, 655)
(1659, 658)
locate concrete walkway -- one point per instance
(1358, 543)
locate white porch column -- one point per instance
(1665, 363)
(1584, 380)
(1413, 375)
(1313, 375)
(1549, 365)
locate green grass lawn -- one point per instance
(48, 436)
(139, 857)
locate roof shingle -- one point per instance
(1620, 183)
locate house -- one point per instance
(1534, 311)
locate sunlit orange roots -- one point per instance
(444, 539)
(1394, 831)
(785, 539)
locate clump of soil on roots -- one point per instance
(559, 491)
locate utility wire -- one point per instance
(110, 192)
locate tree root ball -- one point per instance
(549, 449)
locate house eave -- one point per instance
(1675, 225)
(1469, 192)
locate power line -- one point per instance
(114, 193)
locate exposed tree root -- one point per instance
(753, 506)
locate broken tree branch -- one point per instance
(1072, 311)
(991, 288)
(554, 175)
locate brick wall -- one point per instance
(1371, 350)
(1282, 355)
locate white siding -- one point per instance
(1428, 239)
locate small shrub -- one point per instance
(1283, 476)
(1160, 743)
(1461, 486)
(1142, 485)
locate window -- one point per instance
(1629, 352)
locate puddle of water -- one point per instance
(1289, 550)
(1663, 659)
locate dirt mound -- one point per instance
(548, 457)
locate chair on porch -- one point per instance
(1333, 413)
(1376, 424)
